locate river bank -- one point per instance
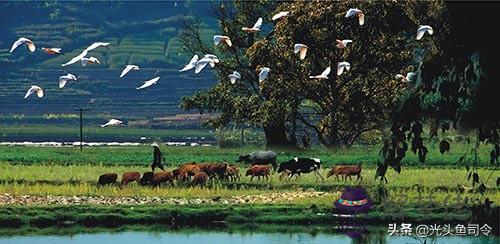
(212, 214)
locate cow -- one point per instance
(346, 171)
(204, 166)
(163, 177)
(297, 166)
(185, 171)
(147, 178)
(232, 173)
(128, 177)
(200, 178)
(259, 157)
(176, 173)
(259, 171)
(107, 179)
(215, 170)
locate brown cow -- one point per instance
(163, 177)
(107, 179)
(186, 164)
(259, 170)
(346, 171)
(200, 178)
(176, 173)
(216, 170)
(185, 171)
(232, 173)
(204, 167)
(131, 176)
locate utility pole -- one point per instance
(81, 124)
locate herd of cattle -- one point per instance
(260, 167)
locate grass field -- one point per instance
(430, 191)
(421, 192)
(80, 180)
(75, 174)
(142, 155)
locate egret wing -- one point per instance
(326, 72)
(76, 59)
(258, 24)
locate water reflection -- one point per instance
(277, 235)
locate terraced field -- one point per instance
(102, 91)
(149, 41)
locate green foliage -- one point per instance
(232, 138)
(344, 106)
(456, 89)
(363, 97)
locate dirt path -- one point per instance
(6, 199)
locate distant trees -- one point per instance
(337, 109)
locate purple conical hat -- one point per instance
(353, 200)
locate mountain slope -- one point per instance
(141, 33)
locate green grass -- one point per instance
(80, 180)
(58, 174)
(141, 155)
(112, 216)
(71, 172)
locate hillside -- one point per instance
(141, 33)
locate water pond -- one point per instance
(224, 236)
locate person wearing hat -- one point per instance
(157, 158)
(353, 200)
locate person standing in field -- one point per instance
(157, 158)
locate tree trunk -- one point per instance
(242, 136)
(331, 141)
(276, 137)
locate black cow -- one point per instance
(107, 179)
(259, 157)
(297, 166)
(147, 178)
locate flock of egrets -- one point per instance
(208, 59)
(299, 48)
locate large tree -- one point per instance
(245, 102)
(337, 109)
(343, 106)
